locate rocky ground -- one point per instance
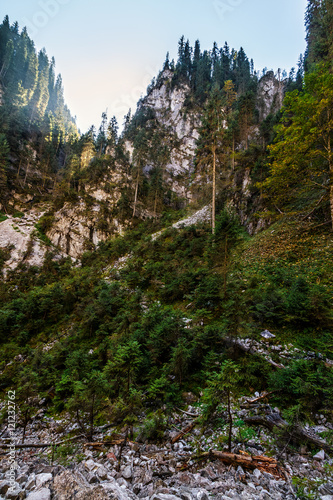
(183, 470)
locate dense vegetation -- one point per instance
(140, 320)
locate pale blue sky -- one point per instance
(108, 51)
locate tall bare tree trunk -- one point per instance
(233, 152)
(19, 169)
(330, 163)
(214, 190)
(26, 174)
(225, 266)
(155, 204)
(136, 192)
(230, 423)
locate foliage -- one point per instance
(301, 170)
(307, 382)
(153, 427)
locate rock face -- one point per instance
(77, 228)
(18, 238)
(270, 95)
(168, 103)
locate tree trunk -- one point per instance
(230, 423)
(19, 168)
(155, 204)
(136, 192)
(330, 164)
(92, 409)
(26, 174)
(225, 266)
(214, 190)
(182, 433)
(233, 152)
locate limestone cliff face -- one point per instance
(270, 95)
(79, 227)
(19, 240)
(169, 105)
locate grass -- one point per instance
(3, 217)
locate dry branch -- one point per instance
(184, 431)
(260, 462)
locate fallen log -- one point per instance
(187, 413)
(274, 422)
(260, 462)
(97, 444)
(184, 431)
(263, 396)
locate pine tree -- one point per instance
(166, 65)
(9, 53)
(101, 141)
(196, 59)
(230, 99)
(319, 28)
(112, 134)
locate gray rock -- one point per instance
(41, 479)
(164, 496)
(202, 495)
(102, 473)
(43, 494)
(31, 482)
(15, 493)
(267, 335)
(122, 482)
(4, 486)
(327, 497)
(320, 455)
(257, 473)
(92, 478)
(185, 495)
(240, 472)
(66, 483)
(326, 488)
(115, 492)
(90, 465)
(23, 478)
(127, 472)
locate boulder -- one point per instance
(43, 494)
(15, 493)
(320, 455)
(41, 479)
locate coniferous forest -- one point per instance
(177, 268)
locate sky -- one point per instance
(108, 51)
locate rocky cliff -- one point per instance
(169, 105)
(93, 217)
